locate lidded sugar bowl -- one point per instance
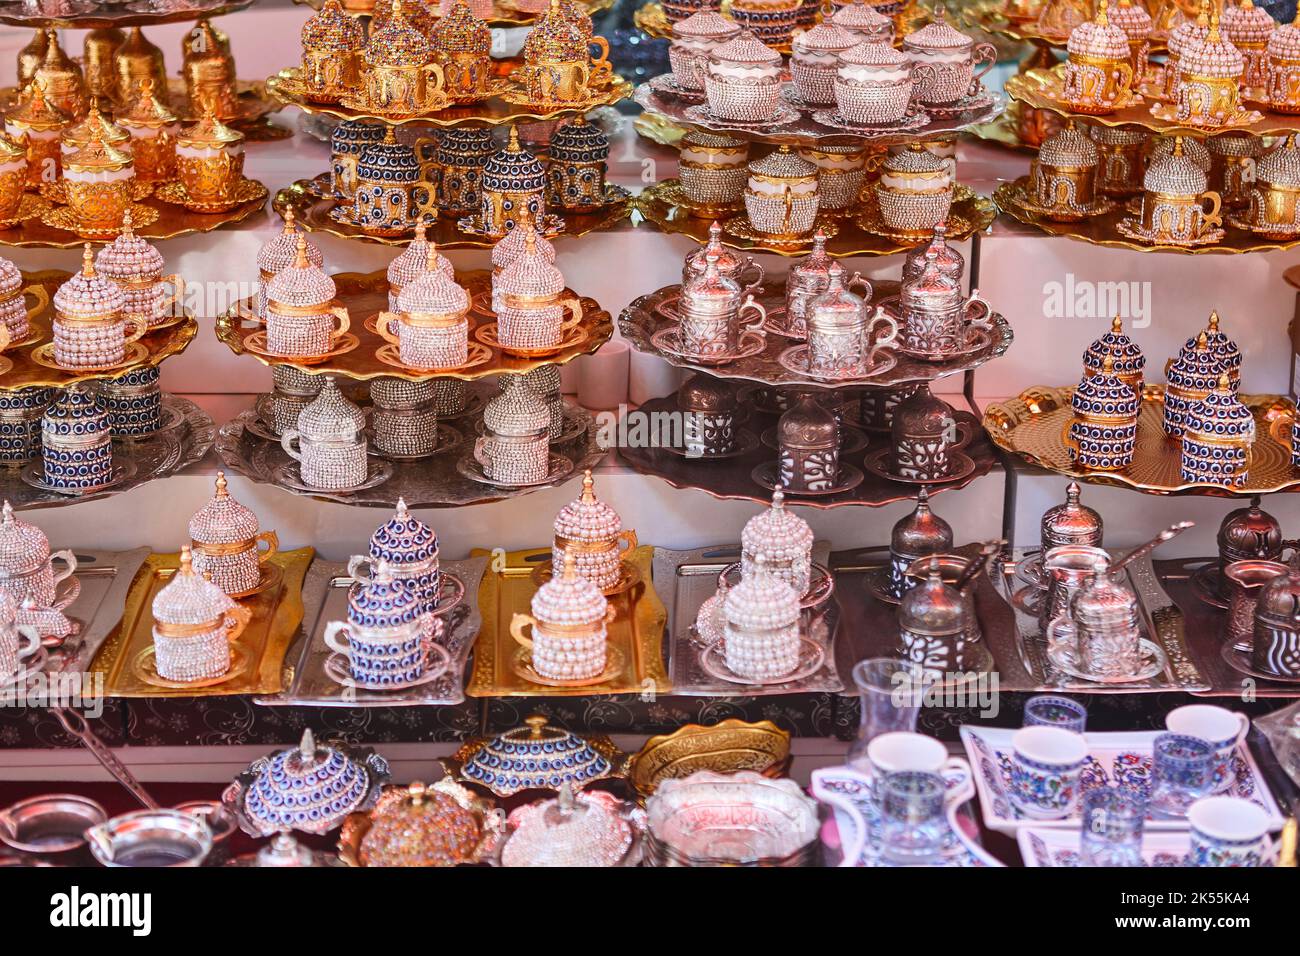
(712, 170)
(1064, 176)
(782, 542)
(27, 565)
(589, 531)
(153, 128)
(37, 122)
(91, 330)
(568, 621)
(693, 40)
(410, 549)
(742, 80)
(95, 126)
(535, 756)
(814, 56)
(1099, 70)
(431, 326)
(329, 443)
(864, 20)
(914, 191)
(1126, 359)
(808, 447)
(77, 442)
(515, 446)
(710, 413)
(226, 543)
(761, 626)
(194, 624)
(210, 161)
(513, 189)
(391, 193)
(915, 536)
(592, 829)
(310, 788)
(279, 253)
(1274, 198)
(1218, 433)
(1070, 523)
(781, 196)
(530, 301)
(935, 625)
(1189, 378)
(136, 266)
(1103, 431)
(462, 46)
(422, 826)
(303, 318)
(729, 264)
(952, 58)
(575, 169)
(413, 262)
(346, 143)
(332, 46)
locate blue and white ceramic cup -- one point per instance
(1182, 772)
(1048, 710)
(1223, 729)
(1045, 766)
(1228, 831)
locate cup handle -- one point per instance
(1279, 429)
(964, 792)
(286, 442)
(517, 624)
(986, 53)
(355, 564)
(600, 63)
(1245, 728)
(1211, 216)
(178, 291)
(383, 325)
(69, 564)
(236, 618)
(629, 539)
(889, 338)
(574, 306)
(482, 452)
(861, 281)
(31, 641)
(138, 326)
(1125, 71)
(340, 312)
(272, 542)
(984, 319)
(757, 285)
(42, 298)
(331, 637)
(757, 325)
(435, 71)
(64, 600)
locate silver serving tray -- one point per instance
(1162, 623)
(326, 590)
(684, 580)
(105, 578)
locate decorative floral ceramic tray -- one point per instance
(635, 634)
(365, 295)
(1047, 847)
(1034, 424)
(325, 589)
(259, 650)
(1120, 759)
(858, 829)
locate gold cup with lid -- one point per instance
(209, 160)
(97, 183)
(138, 59)
(62, 78)
(31, 56)
(399, 76)
(153, 129)
(332, 43)
(558, 67)
(37, 124)
(462, 46)
(209, 71)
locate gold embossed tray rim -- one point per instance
(1003, 422)
(728, 745)
(28, 373)
(362, 363)
(503, 15)
(988, 16)
(277, 614)
(641, 643)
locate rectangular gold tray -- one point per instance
(277, 612)
(637, 631)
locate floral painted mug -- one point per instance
(1222, 729)
(1228, 831)
(1046, 763)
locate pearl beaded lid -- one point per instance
(1247, 23)
(938, 35)
(189, 597)
(1174, 174)
(88, 294)
(705, 25)
(301, 283)
(777, 534)
(1125, 356)
(744, 49)
(569, 600)
(414, 260)
(1220, 346)
(587, 518)
(825, 37)
(281, 252)
(434, 292)
(761, 602)
(1219, 416)
(307, 787)
(1284, 42)
(511, 246)
(1099, 38)
(404, 539)
(383, 601)
(1069, 148)
(397, 42)
(330, 417)
(585, 829)
(332, 30)
(864, 19)
(1280, 166)
(537, 756)
(1189, 32)
(1214, 56)
(517, 411)
(459, 31)
(874, 53)
(1195, 369)
(531, 274)
(129, 257)
(223, 520)
(784, 164)
(23, 546)
(1105, 397)
(1132, 18)
(513, 168)
(11, 279)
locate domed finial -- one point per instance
(1213, 325)
(87, 261)
(8, 513)
(290, 226)
(421, 230)
(530, 240)
(536, 723)
(923, 497)
(588, 487)
(307, 746)
(1102, 21)
(1178, 146)
(390, 138)
(128, 225)
(1072, 493)
(402, 512)
(300, 260)
(1202, 342)
(1107, 366)
(187, 562)
(1117, 325)
(1224, 382)
(715, 233)
(513, 145)
(778, 500)
(221, 485)
(431, 260)
(570, 572)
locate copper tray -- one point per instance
(277, 612)
(365, 294)
(685, 580)
(119, 15)
(1041, 89)
(636, 631)
(725, 747)
(643, 318)
(430, 482)
(1100, 230)
(1162, 623)
(311, 204)
(729, 478)
(325, 591)
(157, 456)
(805, 131)
(493, 111)
(662, 205)
(26, 373)
(504, 13)
(1033, 426)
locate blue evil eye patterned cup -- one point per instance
(1223, 729)
(1111, 835)
(1182, 771)
(1049, 711)
(1046, 763)
(1228, 831)
(912, 815)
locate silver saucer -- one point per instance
(1065, 659)
(812, 656)
(34, 474)
(377, 472)
(559, 469)
(338, 669)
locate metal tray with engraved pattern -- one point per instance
(105, 578)
(1162, 623)
(684, 580)
(326, 589)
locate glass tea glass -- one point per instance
(1182, 771)
(911, 814)
(889, 696)
(1047, 710)
(1113, 818)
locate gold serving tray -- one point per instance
(1034, 427)
(365, 294)
(117, 15)
(660, 204)
(504, 13)
(1041, 89)
(636, 632)
(311, 204)
(724, 747)
(990, 18)
(255, 102)
(27, 373)
(277, 612)
(1004, 131)
(1101, 230)
(493, 111)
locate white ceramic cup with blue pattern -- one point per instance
(1228, 831)
(1221, 728)
(1046, 763)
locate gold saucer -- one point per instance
(29, 207)
(246, 191)
(487, 334)
(63, 217)
(135, 353)
(739, 227)
(255, 342)
(477, 354)
(522, 664)
(145, 667)
(57, 192)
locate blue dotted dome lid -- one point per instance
(383, 602)
(1220, 416)
(536, 756)
(404, 539)
(1195, 369)
(78, 409)
(513, 169)
(350, 136)
(1221, 347)
(1125, 355)
(579, 142)
(388, 162)
(467, 146)
(1105, 395)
